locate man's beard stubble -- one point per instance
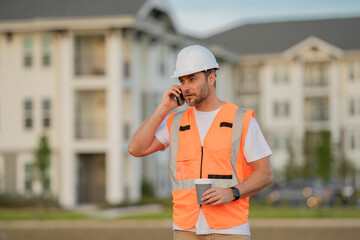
(204, 93)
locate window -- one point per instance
(90, 114)
(127, 57)
(127, 114)
(90, 55)
(280, 142)
(46, 113)
(127, 68)
(249, 77)
(281, 109)
(281, 74)
(46, 50)
(28, 113)
(352, 141)
(317, 109)
(28, 51)
(354, 106)
(354, 70)
(162, 67)
(28, 177)
(316, 74)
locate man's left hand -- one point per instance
(216, 196)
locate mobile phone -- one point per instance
(180, 100)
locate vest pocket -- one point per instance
(185, 166)
(220, 164)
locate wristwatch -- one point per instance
(236, 193)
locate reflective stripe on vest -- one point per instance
(235, 146)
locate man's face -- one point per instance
(195, 88)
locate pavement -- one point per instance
(269, 229)
(330, 223)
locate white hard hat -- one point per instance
(194, 59)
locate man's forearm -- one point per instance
(143, 142)
(144, 135)
(258, 180)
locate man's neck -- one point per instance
(210, 104)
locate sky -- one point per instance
(203, 18)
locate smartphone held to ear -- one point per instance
(180, 100)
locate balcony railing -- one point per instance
(90, 128)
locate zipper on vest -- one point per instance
(202, 154)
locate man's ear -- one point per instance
(211, 79)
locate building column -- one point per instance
(135, 164)
(225, 82)
(298, 115)
(334, 102)
(151, 87)
(334, 111)
(114, 158)
(67, 162)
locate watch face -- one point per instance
(236, 193)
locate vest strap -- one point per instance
(174, 142)
(236, 139)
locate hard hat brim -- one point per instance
(176, 75)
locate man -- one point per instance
(212, 139)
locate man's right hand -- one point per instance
(144, 142)
(168, 99)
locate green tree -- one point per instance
(346, 169)
(308, 168)
(42, 164)
(292, 169)
(323, 156)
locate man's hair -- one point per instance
(208, 72)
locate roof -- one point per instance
(30, 9)
(276, 37)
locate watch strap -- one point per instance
(236, 193)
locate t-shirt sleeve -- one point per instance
(162, 133)
(255, 147)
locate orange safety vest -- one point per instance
(221, 158)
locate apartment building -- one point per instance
(301, 77)
(85, 74)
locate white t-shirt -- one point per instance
(255, 148)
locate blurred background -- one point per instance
(78, 77)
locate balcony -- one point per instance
(90, 115)
(317, 113)
(249, 80)
(90, 128)
(90, 55)
(316, 80)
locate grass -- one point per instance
(256, 211)
(162, 215)
(266, 211)
(276, 212)
(9, 214)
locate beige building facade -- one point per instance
(88, 78)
